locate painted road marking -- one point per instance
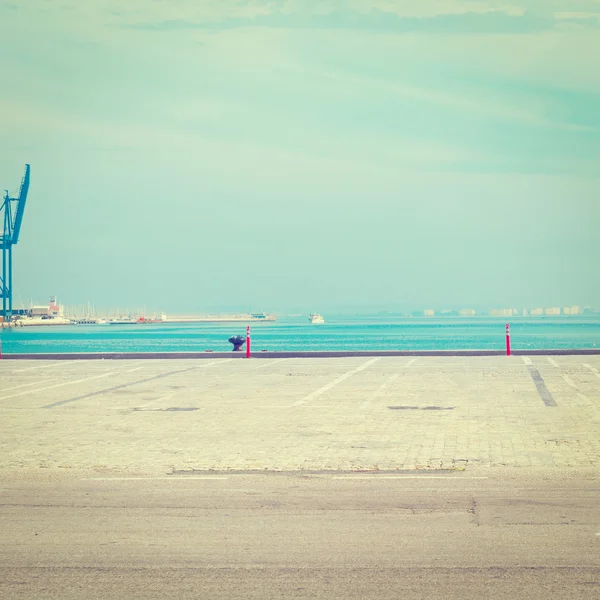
(222, 478)
(132, 370)
(552, 361)
(572, 384)
(273, 362)
(125, 385)
(28, 384)
(58, 364)
(213, 363)
(526, 360)
(209, 477)
(335, 382)
(594, 371)
(379, 391)
(569, 381)
(410, 362)
(157, 400)
(543, 391)
(51, 387)
(404, 477)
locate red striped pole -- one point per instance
(507, 339)
(248, 341)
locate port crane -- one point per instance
(11, 212)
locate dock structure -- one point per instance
(350, 477)
(12, 210)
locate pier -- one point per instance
(424, 476)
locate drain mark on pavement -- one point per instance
(124, 385)
(543, 391)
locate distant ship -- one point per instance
(122, 322)
(316, 319)
(262, 317)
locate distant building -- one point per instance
(466, 312)
(571, 310)
(429, 313)
(552, 311)
(502, 312)
(38, 311)
(55, 310)
(52, 310)
(537, 312)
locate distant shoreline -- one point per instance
(308, 354)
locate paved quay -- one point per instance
(352, 413)
(353, 477)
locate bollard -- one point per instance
(248, 341)
(507, 339)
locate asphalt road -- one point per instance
(488, 533)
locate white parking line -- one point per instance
(157, 400)
(404, 477)
(379, 391)
(51, 387)
(60, 363)
(333, 383)
(152, 478)
(216, 362)
(592, 369)
(573, 385)
(552, 361)
(272, 362)
(14, 387)
(132, 370)
(526, 360)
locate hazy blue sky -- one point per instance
(304, 155)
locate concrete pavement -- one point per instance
(364, 477)
(310, 414)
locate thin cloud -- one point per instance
(492, 22)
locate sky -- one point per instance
(304, 156)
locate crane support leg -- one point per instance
(8, 315)
(4, 286)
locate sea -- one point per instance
(341, 333)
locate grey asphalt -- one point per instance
(486, 534)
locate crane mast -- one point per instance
(12, 210)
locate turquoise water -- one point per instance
(342, 333)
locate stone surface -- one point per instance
(387, 413)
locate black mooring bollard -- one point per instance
(238, 341)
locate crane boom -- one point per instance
(20, 208)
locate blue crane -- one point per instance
(12, 218)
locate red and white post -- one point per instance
(507, 339)
(248, 341)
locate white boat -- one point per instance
(316, 319)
